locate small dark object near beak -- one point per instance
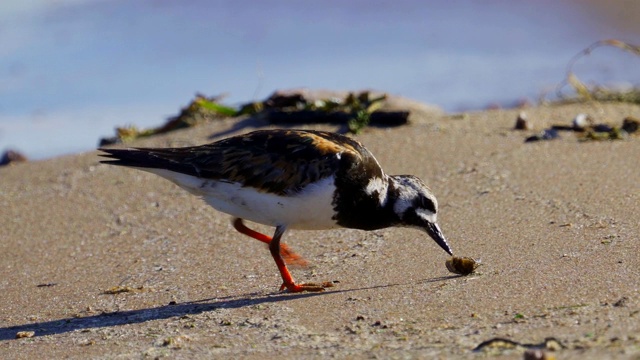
(461, 265)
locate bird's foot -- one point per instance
(295, 288)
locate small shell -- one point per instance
(25, 334)
(581, 122)
(461, 265)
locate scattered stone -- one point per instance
(46, 285)
(581, 122)
(11, 157)
(630, 124)
(538, 354)
(522, 123)
(175, 342)
(622, 302)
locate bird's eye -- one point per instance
(427, 204)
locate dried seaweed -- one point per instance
(629, 126)
(201, 110)
(499, 345)
(583, 92)
(122, 289)
(586, 130)
(356, 111)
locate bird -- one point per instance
(292, 179)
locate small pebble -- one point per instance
(538, 354)
(522, 123)
(12, 157)
(630, 124)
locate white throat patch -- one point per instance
(379, 185)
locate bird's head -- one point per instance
(417, 207)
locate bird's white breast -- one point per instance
(310, 209)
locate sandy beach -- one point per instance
(106, 262)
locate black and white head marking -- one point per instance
(378, 187)
(413, 195)
(417, 207)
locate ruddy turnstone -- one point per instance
(292, 179)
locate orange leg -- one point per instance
(287, 279)
(289, 256)
(279, 253)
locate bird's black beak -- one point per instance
(434, 231)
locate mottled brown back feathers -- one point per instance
(277, 161)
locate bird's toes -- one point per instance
(313, 287)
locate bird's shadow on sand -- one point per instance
(168, 311)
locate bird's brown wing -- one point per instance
(275, 161)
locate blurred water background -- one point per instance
(72, 70)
